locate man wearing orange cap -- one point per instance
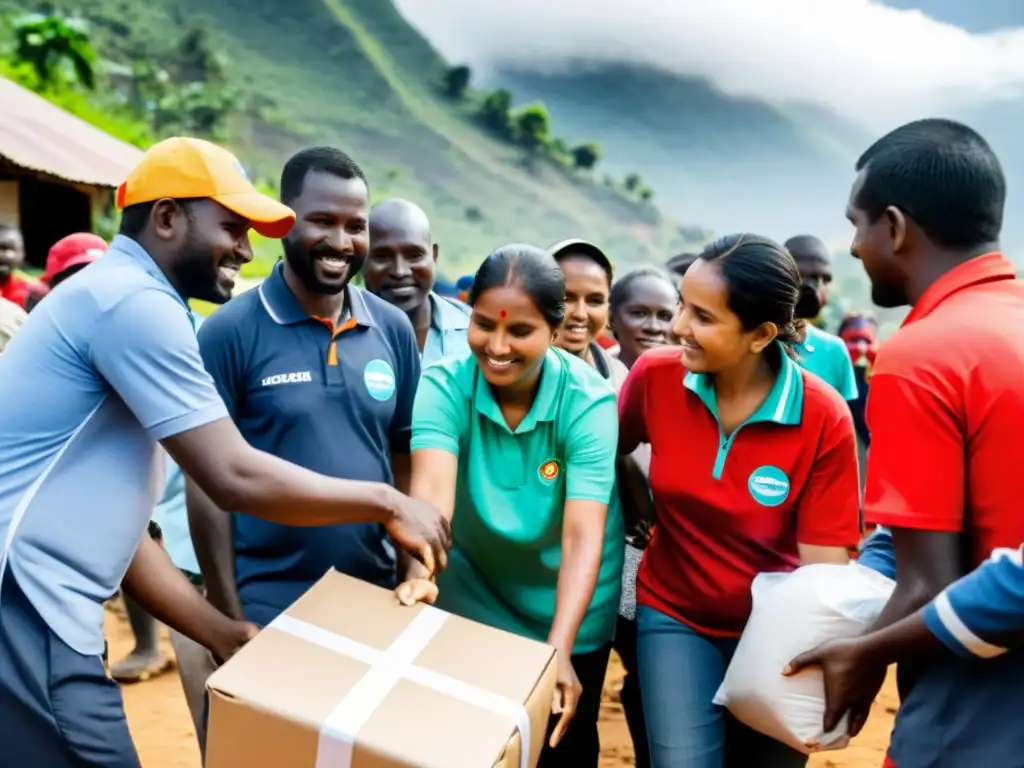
(108, 367)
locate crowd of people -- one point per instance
(597, 461)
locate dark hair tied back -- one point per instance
(763, 283)
(530, 268)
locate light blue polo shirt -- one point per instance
(826, 357)
(449, 321)
(101, 370)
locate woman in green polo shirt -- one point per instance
(515, 441)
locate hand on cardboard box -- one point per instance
(417, 591)
(422, 531)
(567, 695)
(231, 639)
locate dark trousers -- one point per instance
(580, 747)
(58, 708)
(632, 703)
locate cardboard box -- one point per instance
(349, 678)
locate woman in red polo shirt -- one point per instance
(753, 469)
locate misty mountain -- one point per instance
(732, 163)
(729, 163)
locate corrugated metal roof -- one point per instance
(39, 136)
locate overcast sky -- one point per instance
(865, 60)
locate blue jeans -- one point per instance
(680, 671)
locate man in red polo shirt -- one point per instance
(946, 413)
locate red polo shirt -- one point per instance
(730, 507)
(17, 289)
(946, 412)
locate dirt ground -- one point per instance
(162, 728)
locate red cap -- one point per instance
(70, 251)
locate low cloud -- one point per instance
(865, 60)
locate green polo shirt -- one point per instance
(512, 489)
(826, 357)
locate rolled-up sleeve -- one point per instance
(145, 347)
(439, 414)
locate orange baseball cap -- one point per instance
(192, 168)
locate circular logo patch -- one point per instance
(768, 485)
(379, 379)
(549, 469)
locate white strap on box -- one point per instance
(338, 733)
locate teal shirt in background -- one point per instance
(826, 357)
(449, 322)
(512, 488)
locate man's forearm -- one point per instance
(238, 477)
(162, 590)
(213, 541)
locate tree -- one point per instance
(456, 81)
(646, 193)
(533, 126)
(586, 156)
(197, 59)
(632, 182)
(52, 45)
(494, 113)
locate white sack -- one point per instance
(793, 613)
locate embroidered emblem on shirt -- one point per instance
(549, 469)
(768, 485)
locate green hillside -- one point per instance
(354, 74)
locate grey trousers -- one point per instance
(195, 665)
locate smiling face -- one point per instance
(874, 244)
(327, 246)
(586, 304)
(712, 336)
(509, 337)
(212, 245)
(644, 319)
(401, 265)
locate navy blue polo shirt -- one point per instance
(338, 402)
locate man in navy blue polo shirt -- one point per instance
(316, 371)
(402, 269)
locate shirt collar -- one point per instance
(545, 405)
(446, 315)
(981, 269)
(140, 256)
(785, 401)
(285, 309)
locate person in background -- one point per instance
(678, 264)
(859, 332)
(819, 352)
(104, 370)
(11, 319)
(70, 255)
(463, 285)
(537, 546)
(14, 286)
(946, 413)
(316, 371)
(588, 282)
(642, 306)
(770, 484)
(401, 269)
(444, 288)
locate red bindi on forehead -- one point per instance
(504, 314)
